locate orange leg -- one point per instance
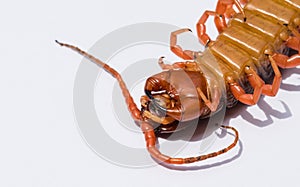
(201, 28)
(271, 90)
(293, 42)
(184, 54)
(212, 105)
(147, 129)
(284, 61)
(163, 65)
(230, 12)
(240, 94)
(224, 7)
(188, 65)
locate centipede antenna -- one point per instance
(85, 54)
(135, 112)
(151, 145)
(214, 154)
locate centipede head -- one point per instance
(172, 96)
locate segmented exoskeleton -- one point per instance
(244, 58)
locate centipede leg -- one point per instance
(224, 9)
(135, 112)
(230, 12)
(188, 65)
(271, 90)
(284, 61)
(163, 65)
(176, 49)
(240, 94)
(293, 42)
(201, 28)
(212, 105)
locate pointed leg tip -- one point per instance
(162, 58)
(160, 61)
(58, 42)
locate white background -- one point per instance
(40, 144)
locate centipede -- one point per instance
(256, 40)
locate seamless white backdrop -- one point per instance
(40, 144)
